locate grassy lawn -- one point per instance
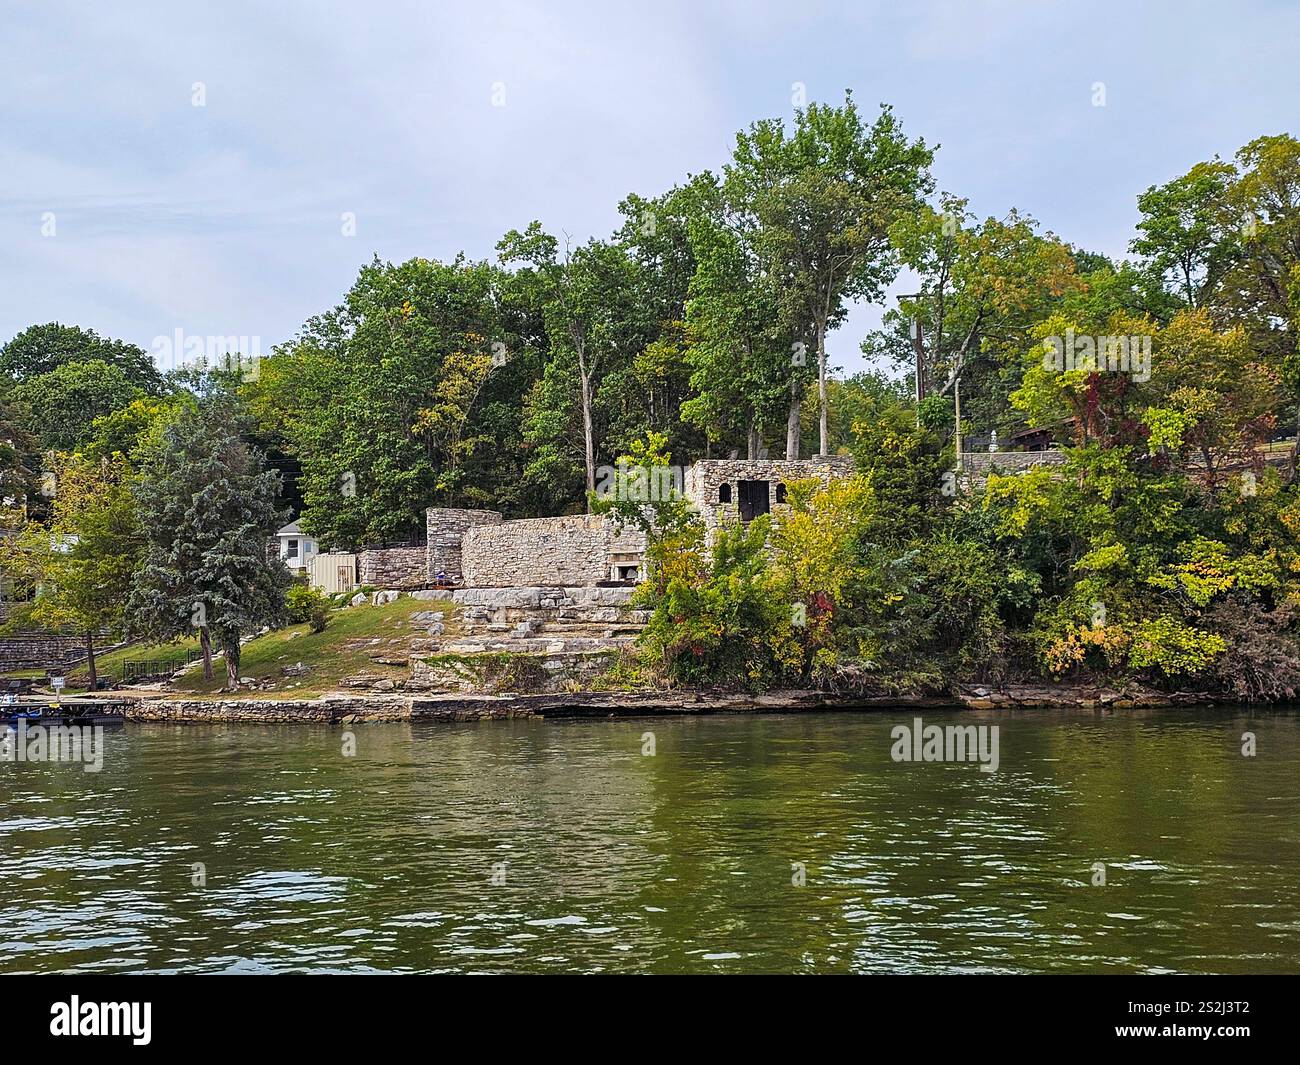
(110, 665)
(350, 644)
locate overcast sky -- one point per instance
(226, 219)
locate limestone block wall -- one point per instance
(570, 550)
(39, 651)
(446, 528)
(393, 567)
(981, 463)
(542, 598)
(705, 478)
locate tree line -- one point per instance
(699, 328)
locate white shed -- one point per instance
(296, 548)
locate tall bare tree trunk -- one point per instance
(754, 443)
(587, 431)
(90, 661)
(792, 422)
(205, 645)
(821, 385)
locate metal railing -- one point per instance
(144, 669)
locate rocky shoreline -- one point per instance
(349, 708)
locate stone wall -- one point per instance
(446, 528)
(705, 478)
(393, 567)
(544, 597)
(331, 710)
(571, 550)
(518, 674)
(981, 463)
(40, 651)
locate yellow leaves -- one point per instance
(1172, 647)
(1210, 571)
(1168, 428)
(1162, 642)
(1019, 500)
(1290, 517)
(1071, 648)
(1114, 556)
(461, 378)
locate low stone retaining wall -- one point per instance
(508, 671)
(393, 567)
(346, 709)
(331, 710)
(543, 597)
(981, 464)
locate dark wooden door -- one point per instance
(754, 499)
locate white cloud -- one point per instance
(225, 218)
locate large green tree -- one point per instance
(19, 461)
(65, 377)
(1187, 232)
(818, 203)
(83, 558)
(39, 349)
(63, 404)
(405, 395)
(740, 352)
(597, 322)
(983, 286)
(1228, 237)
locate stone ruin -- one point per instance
(481, 549)
(545, 603)
(729, 490)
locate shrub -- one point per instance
(309, 606)
(1262, 659)
(715, 626)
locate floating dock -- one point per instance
(72, 711)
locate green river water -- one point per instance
(558, 846)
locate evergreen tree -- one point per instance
(208, 508)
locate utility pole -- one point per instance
(956, 398)
(918, 348)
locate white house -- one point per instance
(296, 548)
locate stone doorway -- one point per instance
(754, 500)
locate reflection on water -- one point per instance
(614, 861)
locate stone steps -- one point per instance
(543, 645)
(580, 615)
(550, 628)
(564, 632)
